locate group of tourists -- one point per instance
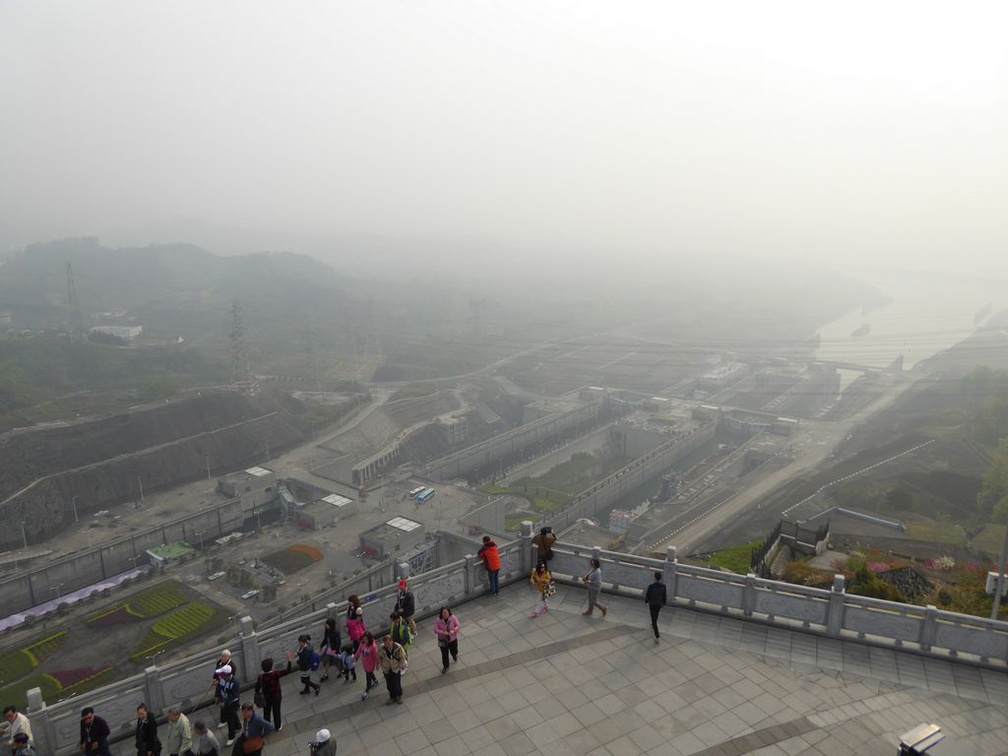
(247, 730)
(542, 581)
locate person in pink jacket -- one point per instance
(355, 626)
(367, 652)
(447, 629)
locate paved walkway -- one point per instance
(566, 684)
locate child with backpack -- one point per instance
(348, 663)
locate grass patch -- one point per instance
(738, 559)
(157, 601)
(989, 539)
(18, 662)
(934, 532)
(41, 650)
(14, 663)
(192, 620)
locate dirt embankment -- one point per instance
(105, 461)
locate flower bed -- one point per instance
(115, 616)
(191, 620)
(81, 681)
(147, 605)
(70, 678)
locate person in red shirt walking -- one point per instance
(491, 560)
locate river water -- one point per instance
(927, 314)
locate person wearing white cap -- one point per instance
(325, 744)
(228, 697)
(225, 659)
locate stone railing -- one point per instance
(833, 613)
(187, 681)
(830, 612)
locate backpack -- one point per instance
(316, 661)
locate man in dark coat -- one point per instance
(147, 743)
(94, 734)
(655, 598)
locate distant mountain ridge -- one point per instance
(177, 274)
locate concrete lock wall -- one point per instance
(606, 492)
(55, 579)
(923, 630)
(458, 464)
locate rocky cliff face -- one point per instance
(100, 462)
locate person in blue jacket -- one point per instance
(254, 730)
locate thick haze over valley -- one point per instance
(586, 132)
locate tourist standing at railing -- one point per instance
(355, 621)
(446, 628)
(306, 659)
(393, 661)
(147, 742)
(228, 696)
(490, 555)
(94, 734)
(15, 722)
(367, 652)
(269, 692)
(655, 598)
(225, 660)
(542, 581)
(593, 581)
(544, 543)
(406, 605)
(204, 742)
(332, 643)
(399, 630)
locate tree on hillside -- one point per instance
(994, 494)
(987, 391)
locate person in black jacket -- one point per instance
(655, 599)
(147, 743)
(332, 642)
(305, 657)
(94, 734)
(406, 606)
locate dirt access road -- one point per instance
(818, 440)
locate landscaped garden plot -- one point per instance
(58, 684)
(150, 603)
(19, 662)
(194, 619)
(293, 558)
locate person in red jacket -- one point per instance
(491, 560)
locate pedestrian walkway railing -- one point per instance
(832, 613)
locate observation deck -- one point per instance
(744, 666)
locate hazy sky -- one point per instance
(876, 129)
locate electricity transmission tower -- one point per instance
(241, 373)
(75, 320)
